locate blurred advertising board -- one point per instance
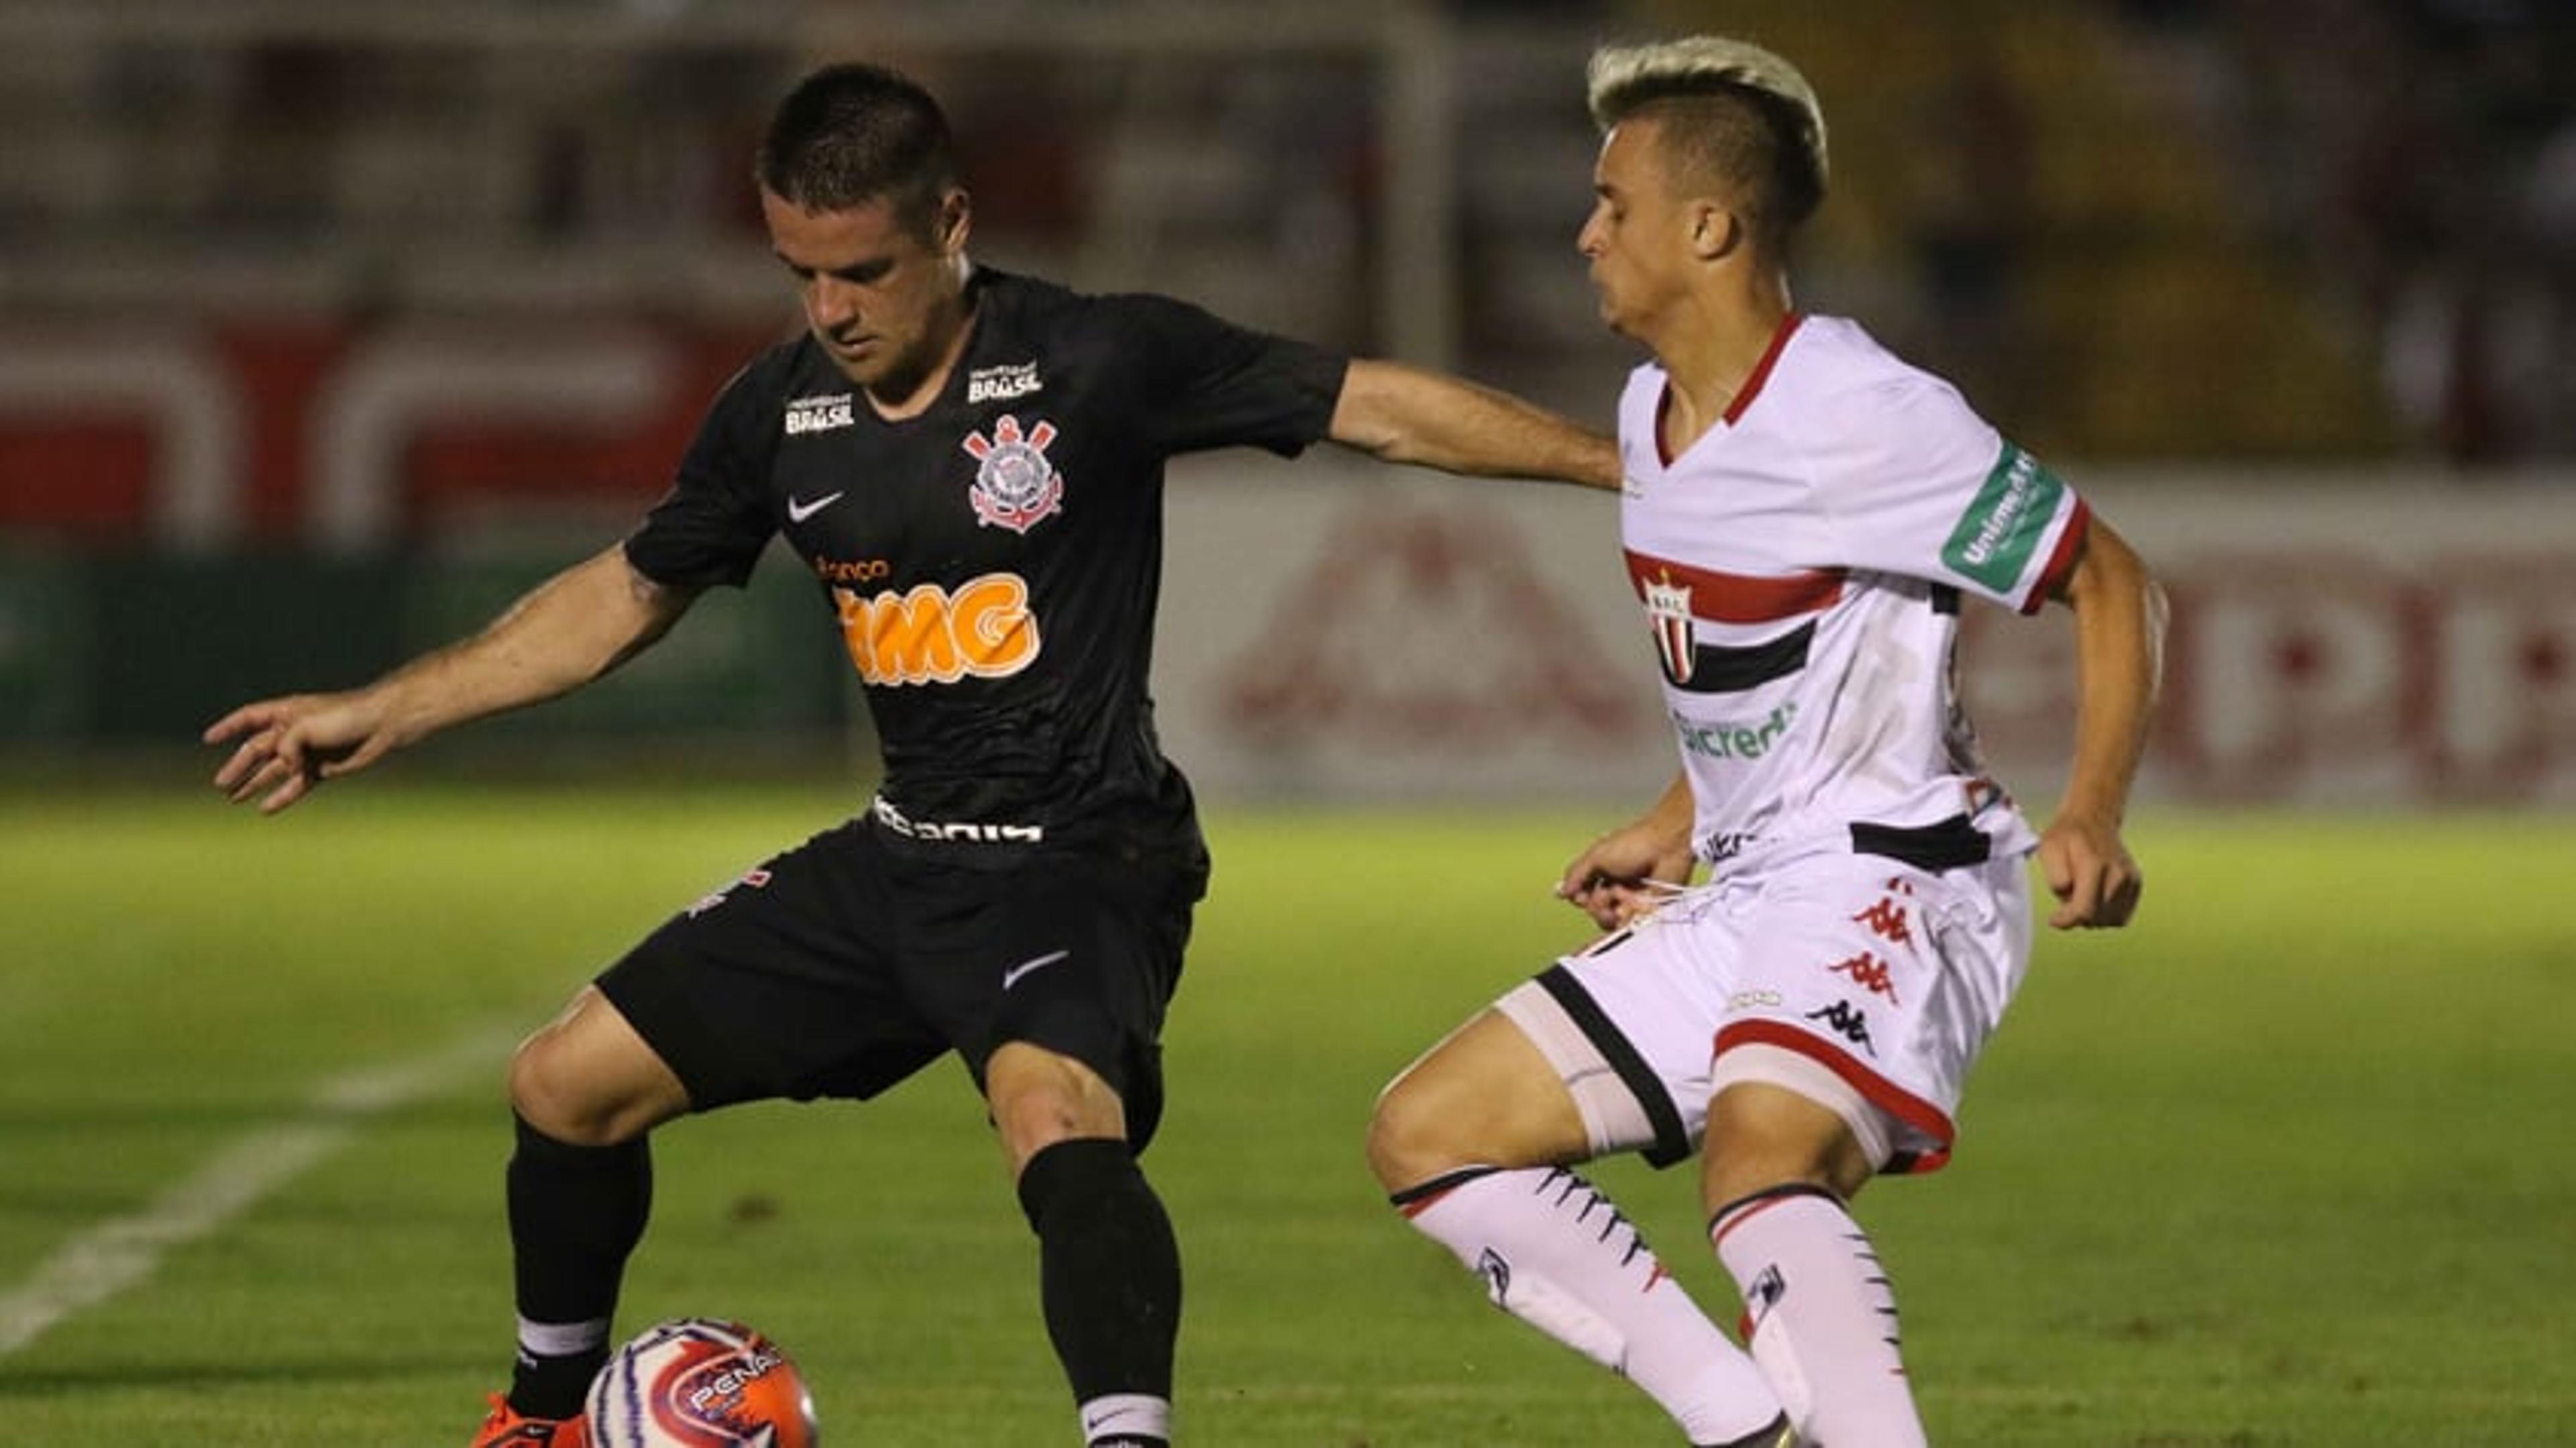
(197, 514)
(2346, 641)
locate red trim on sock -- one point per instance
(1419, 1205)
(1742, 1215)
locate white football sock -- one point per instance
(1820, 1316)
(1555, 1254)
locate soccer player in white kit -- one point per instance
(1803, 516)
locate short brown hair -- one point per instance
(853, 133)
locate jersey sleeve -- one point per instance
(1915, 483)
(1209, 383)
(710, 527)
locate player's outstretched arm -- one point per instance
(2119, 652)
(1616, 877)
(571, 629)
(1406, 415)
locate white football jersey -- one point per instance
(1801, 566)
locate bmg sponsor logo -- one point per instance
(983, 629)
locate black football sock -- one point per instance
(575, 1214)
(1110, 1278)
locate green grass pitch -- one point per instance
(2286, 1163)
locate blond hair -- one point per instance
(1733, 111)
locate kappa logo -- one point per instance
(1886, 919)
(1848, 1021)
(1497, 1274)
(932, 635)
(1717, 849)
(1015, 486)
(1004, 383)
(819, 414)
(1871, 974)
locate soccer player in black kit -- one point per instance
(971, 465)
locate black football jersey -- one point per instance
(993, 563)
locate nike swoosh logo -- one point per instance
(1011, 977)
(798, 510)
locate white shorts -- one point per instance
(1863, 983)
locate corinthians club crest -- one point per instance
(1015, 485)
(1668, 609)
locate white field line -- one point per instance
(117, 1254)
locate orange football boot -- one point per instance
(506, 1428)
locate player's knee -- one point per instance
(544, 1096)
(1031, 1121)
(550, 1097)
(1039, 1098)
(575, 1097)
(1411, 1138)
(1761, 1137)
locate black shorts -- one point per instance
(842, 967)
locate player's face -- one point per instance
(1638, 237)
(883, 297)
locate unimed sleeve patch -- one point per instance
(1995, 538)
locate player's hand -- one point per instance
(289, 745)
(2090, 873)
(1614, 880)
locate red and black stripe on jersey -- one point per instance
(1679, 596)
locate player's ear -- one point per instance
(956, 217)
(1715, 231)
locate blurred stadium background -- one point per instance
(326, 328)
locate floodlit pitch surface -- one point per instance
(2287, 1163)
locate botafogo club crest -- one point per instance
(1015, 486)
(1668, 609)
